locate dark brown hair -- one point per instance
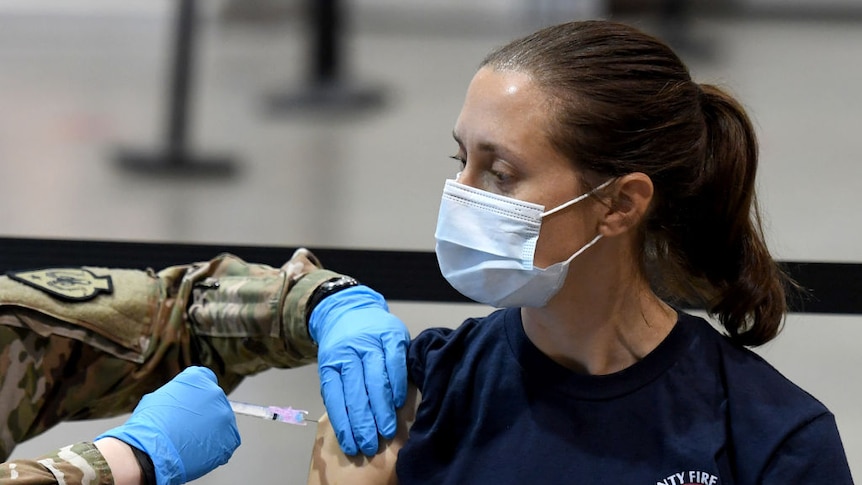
(623, 102)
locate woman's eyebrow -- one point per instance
(482, 146)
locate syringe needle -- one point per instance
(272, 413)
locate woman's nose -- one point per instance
(466, 177)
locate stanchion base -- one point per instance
(335, 97)
(179, 164)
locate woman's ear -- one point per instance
(628, 200)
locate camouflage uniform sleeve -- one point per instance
(251, 317)
(90, 342)
(75, 464)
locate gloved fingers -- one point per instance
(395, 350)
(358, 407)
(213, 450)
(203, 428)
(379, 391)
(200, 405)
(224, 420)
(192, 386)
(196, 376)
(333, 398)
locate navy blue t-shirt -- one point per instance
(696, 410)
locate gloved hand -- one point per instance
(362, 359)
(186, 427)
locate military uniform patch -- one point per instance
(69, 284)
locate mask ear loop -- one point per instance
(586, 246)
(578, 199)
(573, 201)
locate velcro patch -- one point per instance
(68, 284)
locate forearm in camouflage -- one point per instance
(251, 317)
(78, 463)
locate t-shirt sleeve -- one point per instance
(423, 352)
(811, 454)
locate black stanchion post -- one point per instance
(326, 49)
(174, 157)
(327, 86)
(181, 78)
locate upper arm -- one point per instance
(812, 454)
(330, 466)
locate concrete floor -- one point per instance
(75, 91)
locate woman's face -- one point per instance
(504, 148)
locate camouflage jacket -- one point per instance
(81, 343)
(75, 464)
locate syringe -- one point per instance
(272, 413)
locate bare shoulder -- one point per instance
(330, 466)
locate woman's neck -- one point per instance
(600, 325)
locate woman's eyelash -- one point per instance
(500, 176)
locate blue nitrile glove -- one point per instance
(186, 427)
(362, 359)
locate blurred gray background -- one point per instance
(83, 81)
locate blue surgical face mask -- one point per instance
(486, 244)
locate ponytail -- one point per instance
(724, 242)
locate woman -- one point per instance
(599, 185)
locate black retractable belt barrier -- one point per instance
(833, 288)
